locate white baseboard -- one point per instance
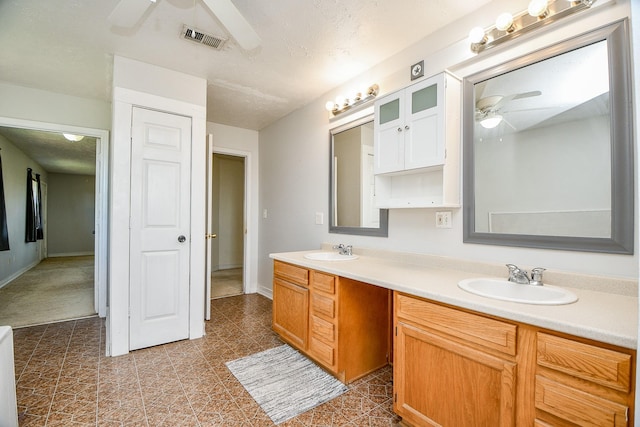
(265, 292)
(50, 255)
(18, 273)
(226, 267)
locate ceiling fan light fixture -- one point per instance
(72, 137)
(491, 121)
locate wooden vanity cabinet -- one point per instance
(452, 368)
(291, 303)
(579, 383)
(340, 323)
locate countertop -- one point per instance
(603, 316)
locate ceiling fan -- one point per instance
(488, 109)
(128, 13)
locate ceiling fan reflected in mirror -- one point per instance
(489, 108)
(128, 13)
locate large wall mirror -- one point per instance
(548, 149)
(352, 207)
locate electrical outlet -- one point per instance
(319, 218)
(443, 219)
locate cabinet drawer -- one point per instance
(293, 273)
(577, 406)
(323, 306)
(324, 283)
(489, 333)
(323, 352)
(599, 365)
(323, 330)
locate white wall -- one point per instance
(294, 162)
(21, 256)
(71, 214)
(21, 102)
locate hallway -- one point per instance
(64, 379)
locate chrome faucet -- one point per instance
(517, 275)
(344, 250)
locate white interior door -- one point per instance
(210, 235)
(160, 224)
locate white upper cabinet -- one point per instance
(417, 135)
(410, 127)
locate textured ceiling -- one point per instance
(53, 151)
(308, 47)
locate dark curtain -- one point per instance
(39, 224)
(31, 217)
(4, 233)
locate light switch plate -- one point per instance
(319, 218)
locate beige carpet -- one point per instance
(226, 283)
(56, 289)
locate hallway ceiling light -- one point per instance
(538, 14)
(73, 138)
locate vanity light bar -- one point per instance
(342, 104)
(538, 14)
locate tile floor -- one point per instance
(64, 379)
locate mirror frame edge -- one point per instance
(383, 230)
(622, 149)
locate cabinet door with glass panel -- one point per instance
(409, 127)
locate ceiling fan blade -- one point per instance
(234, 22)
(527, 94)
(127, 13)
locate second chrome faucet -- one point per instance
(517, 275)
(344, 250)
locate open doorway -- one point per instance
(72, 249)
(228, 223)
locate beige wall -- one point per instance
(71, 214)
(228, 212)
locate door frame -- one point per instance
(124, 99)
(249, 234)
(101, 197)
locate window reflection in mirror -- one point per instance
(352, 205)
(548, 148)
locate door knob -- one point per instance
(181, 239)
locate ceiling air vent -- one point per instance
(195, 35)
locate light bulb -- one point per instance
(538, 8)
(504, 22)
(330, 105)
(476, 35)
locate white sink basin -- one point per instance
(508, 291)
(329, 256)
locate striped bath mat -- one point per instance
(284, 382)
